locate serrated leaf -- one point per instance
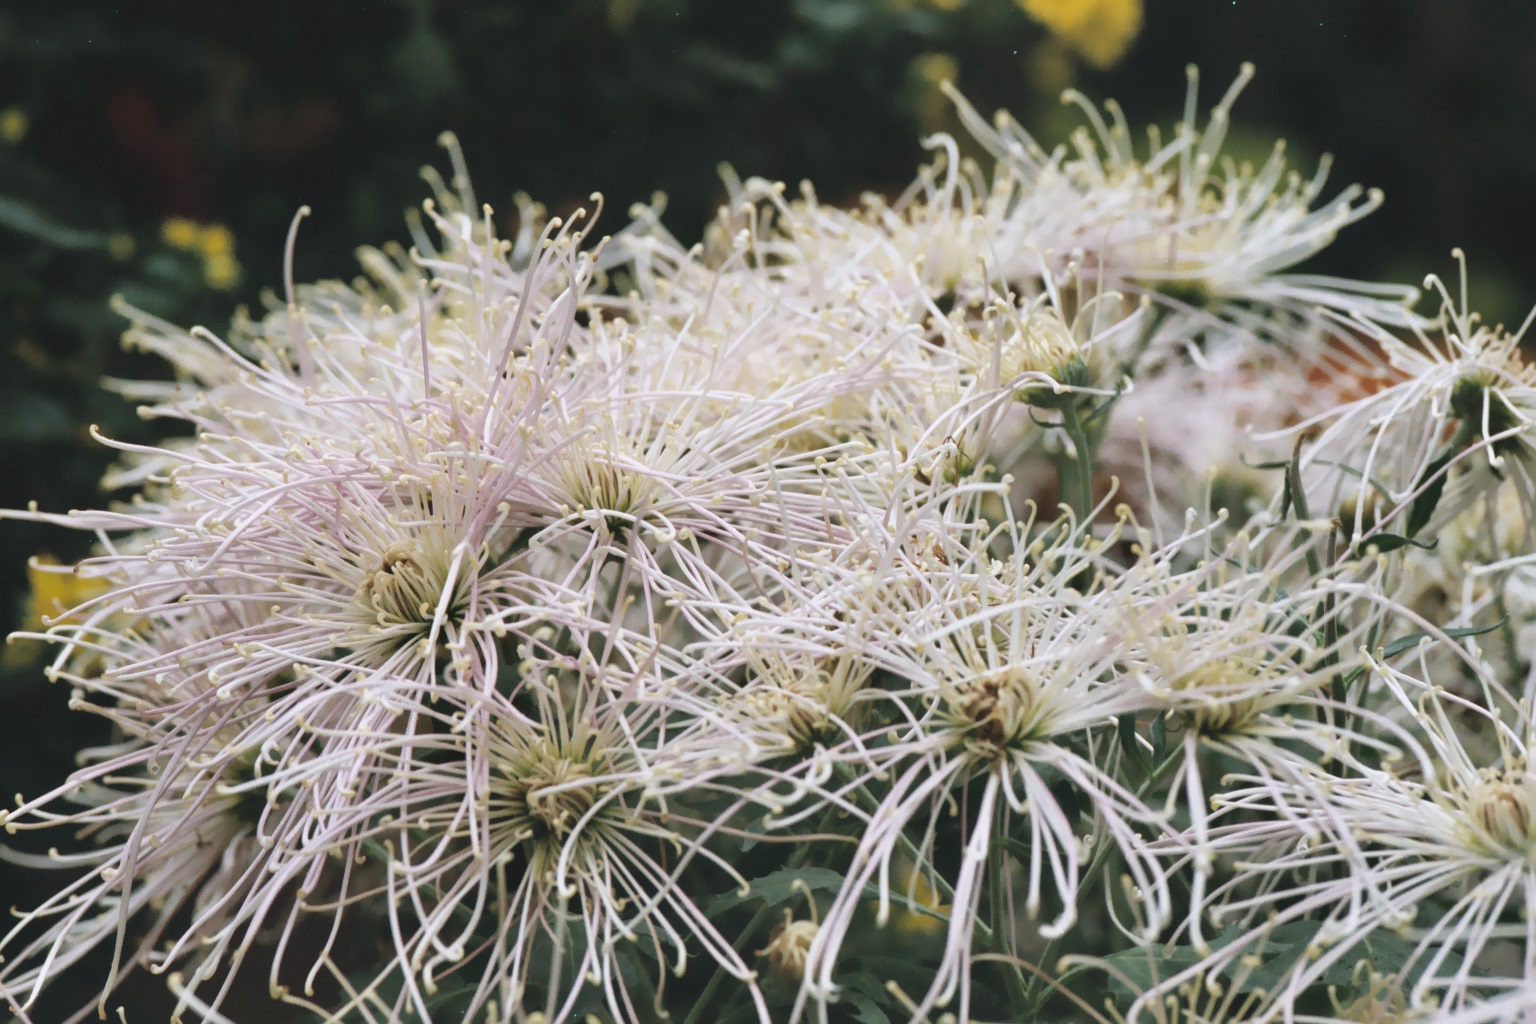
(863, 981)
(1387, 952)
(1277, 954)
(635, 972)
(776, 888)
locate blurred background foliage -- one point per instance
(158, 150)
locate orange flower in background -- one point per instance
(1099, 30)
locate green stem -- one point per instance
(718, 978)
(945, 890)
(1082, 503)
(907, 845)
(1096, 865)
(797, 859)
(997, 897)
(1158, 773)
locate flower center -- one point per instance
(788, 947)
(798, 706)
(1220, 696)
(556, 795)
(600, 483)
(1037, 342)
(1502, 809)
(1479, 400)
(1002, 708)
(1381, 1003)
(406, 588)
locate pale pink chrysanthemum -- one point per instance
(1000, 670)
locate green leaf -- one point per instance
(1412, 640)
(862, 1008)
(1270, 961)
(1277, 955)
(1132, 747)
(832, 15)
(756, 827)
(1295, 494)
(1385, 542)
(1387, 952)
(1277, 464)
(1159, 734)
(1423, 507)
(635, 971)
(776, 888)
(20, 217)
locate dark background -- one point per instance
(236, 113)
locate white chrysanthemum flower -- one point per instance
(572, 847)
(1439, 848)
(205, 824)
(785, 304)
(168, 847)
(1387, 457)
(1005, 670)
(1168, 225)
(425, 331)
(505, 590)
(1246, 656)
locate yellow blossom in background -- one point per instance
(932, 70)
(1051, 67)
(220, 272)
(52, 592)
(120, 246)
(13, 124)
(1100, 30)
(181, 233)
(215, 243)
(908, 923)
(946, 5)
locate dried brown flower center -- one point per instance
(1002, 708)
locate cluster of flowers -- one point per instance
(1030, 558)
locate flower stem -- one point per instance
(997, 897)
(1082, 499)
(764, 913)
